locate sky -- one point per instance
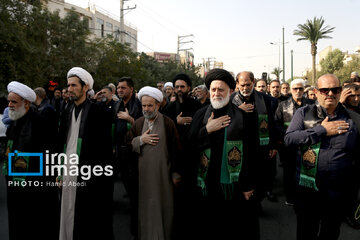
(239, 32)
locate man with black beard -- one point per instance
(156, 143)
(181, 112)
(259, 111)
(85, 133)
(32, 210)
(224, 152)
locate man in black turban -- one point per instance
(225, 175)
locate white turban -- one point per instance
(297, 81)
(169, 84)
(22, 90)
(84, 76)
(151, 92)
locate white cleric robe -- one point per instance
(69, 192)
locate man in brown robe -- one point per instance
(155, 140)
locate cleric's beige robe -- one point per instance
(156, 193)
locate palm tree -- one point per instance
(313, 31)
(277, 71)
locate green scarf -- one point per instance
(309, 160)
(231, 164)
(16, 160)
(263, 129)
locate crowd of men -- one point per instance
(194, 162)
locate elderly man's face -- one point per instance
(328, 92)
(149, 107)
(261, 86)
(297, 91)
(124, 91)
(17, 106)
(275, 89)
(354, 99)
(219, 94)
(106, 94)
(245, 84)
(285, 89)
(200, 94)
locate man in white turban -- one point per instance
(155, 141)
(85, 132)
(169, 90)
(28, 133)
(83, 75)
(20, 98)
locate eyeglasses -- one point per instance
(325, 91)
(298, 88)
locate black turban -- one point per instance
(220, 74)
(184, 77)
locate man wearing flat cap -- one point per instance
(223, 154)
(27, 202)
(85, 133)
(155, 141)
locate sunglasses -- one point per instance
(299, 88)
(325, 91)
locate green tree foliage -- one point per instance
(313, 31)
(37, 46)
(277, 71)
(332, 62)
(344, 72)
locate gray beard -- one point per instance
(149, 115)
(217, 104)
(247, 94)
(17, 113)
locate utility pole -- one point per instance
(283, 54)
(122, 25)
(292, 76)
(207, 64)
(181, 41)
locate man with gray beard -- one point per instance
(224, 149)
(27, 133)
(259, 110)
(155, 141)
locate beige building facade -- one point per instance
(101, 22)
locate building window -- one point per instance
(109, 29)
(99, 26)
(117, 33)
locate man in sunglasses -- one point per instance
(283, 116)
(327, 138)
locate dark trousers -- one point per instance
(288, 158)
(267, 173)
(232, 219)
(319, 214)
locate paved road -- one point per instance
(277, 222)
